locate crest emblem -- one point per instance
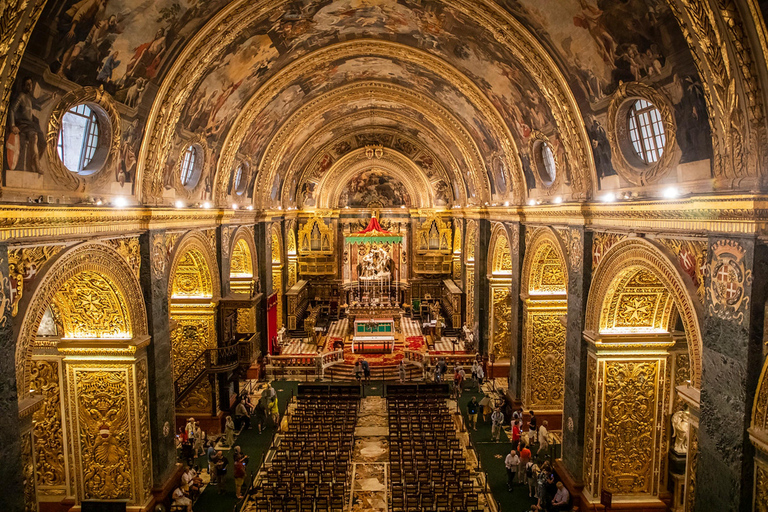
(729, 278)
(12, 150)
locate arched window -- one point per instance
(188, 166)
(78, 138)
(646, 131)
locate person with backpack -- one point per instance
(497, 420)
(531, 476)
(511, 462)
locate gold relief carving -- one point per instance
(470, 271)
(92, 306)
(129, 249)
(543, 359)
(692, 469)
(226, 235)
(291, 274)
(761, 488)
(636, 172)
(636, 310)
(600, 245)
(629, 425)
(547, 272)
(48, 434)
(501, 259)
(103, 431)
(241, 263)
(145, 452)
(471, 245)
(682, 376)
(28, 472)
(246, 320)
(291, 241)
(574, 246)
(192, 277)
(738, 139)
(277, 287)
(728, 278)
(196, 332)
(591, 474)
(637, 301)
(23, 266)
(760, 409)
(457, 270)
(692, 256)
(502, 317)
(434, 235)
(275, 246)
(199, 399)
(210, 236)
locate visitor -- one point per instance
(190, 430)
(525, 458)
(531, 427)
(532, 476)
(270, 391)
(497, 420)
(261, 413)
(474, 370)
(511, 462)
(191, 482)
(358, 371)
(242, 417)
(543, 439)
(221, 470)
(274, 412)
(562, 498)
(486, 404)
(438, 375)
(229, 432)
(458, 380)
(472, 408)
(480, 376)
(516, 432)
(187, 452)
(181, 500)
(366, 370)
(401, 371)
(197, 447)
(212, 462)
(443, 366)
(240, 460)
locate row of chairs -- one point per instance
(428, 502)
(301, 504)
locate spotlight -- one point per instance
(557, 200)
(506, 203)
(608, 198)
(671, 193)
(279, 207)
(531, 202)
(180, 204)
(250, 207)
(118, 202)
(402, 206)
(234, 206)
(206, 205)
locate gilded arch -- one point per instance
(242, 261)
(543, 289)
(87, 262)
(500, 259)
(646, 255)
(276, 245)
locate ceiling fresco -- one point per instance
(129, 47)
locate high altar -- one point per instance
(374, 310)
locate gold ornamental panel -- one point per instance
(316, 238)
(199, 400)
(195, 333)
(277, 287)
(471, 245)
(637, 301)
(434, 235)
(192, 277)
(246, 320)
(545, 271)
(470, 284)
(501, 301)
(500, 251)
(48, 426)
(761, 487)
(91, 306)
(543, 359)
(275, 245)
(593, 406)
(241, 261)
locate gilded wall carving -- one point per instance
(761, 488)
(692, 469)
(470, 315)
(593, 408)
(28, 472)
(629, 426)
(543, 359)
(192, 277)
(92, 306)
(48, 427)
(545, 270)
(637, 301)
(195, 333)
(275, 247)
(471, 245)
(501, 256)
(24, 265)
(601, 242)
(130, 250)
(502, 317)
(199, 399)
(246, 320)
(692, 257)
(681, 377)
(241, 263)
(277, 287)
(142, 404)
(104, 434)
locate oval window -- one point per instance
(80, 144)
(646, 131)
(191, 164)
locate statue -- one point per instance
(280, 336)
(680, 423)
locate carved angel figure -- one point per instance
(680, 422)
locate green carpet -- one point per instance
(492, 455)
(254, 445)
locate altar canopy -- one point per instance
(373, 233)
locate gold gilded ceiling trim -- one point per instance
(337, 178)
(89, 256)
(642, 253)
(436, 113)
(301, 165)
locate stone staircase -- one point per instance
(345, 372)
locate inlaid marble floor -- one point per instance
(370, 457)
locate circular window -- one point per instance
(238, 184)
(191, 165)
(81, 145)
(545, 163)
(646, 131)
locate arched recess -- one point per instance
(470, 247)
(545, 305)
(392, 162)
(291, 253)
(276, 250)
(758, 434)
(89, 303)
(631, 331)
(193, 293)
(457, 241)
(500, 280)
(243, 263)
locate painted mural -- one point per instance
(374, 189)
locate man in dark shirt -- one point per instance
(472, 408)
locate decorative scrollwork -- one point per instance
(23, 267)
(543, 358)
(728, 281)
(48, 433)
(502, 317)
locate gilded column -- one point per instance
(625, 444)
(106, 395)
